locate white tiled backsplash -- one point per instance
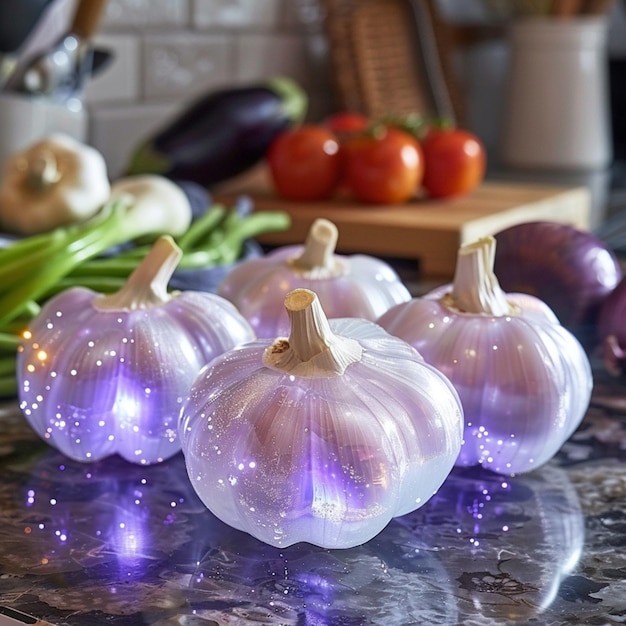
(167, 52)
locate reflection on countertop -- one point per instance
(118, 544)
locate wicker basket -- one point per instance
(391, 57)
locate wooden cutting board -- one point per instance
(428, 231)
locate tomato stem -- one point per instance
(415, 124)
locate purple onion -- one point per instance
(612, 329)
(571, 270)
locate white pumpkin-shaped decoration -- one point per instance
(105, 374)
(347, 286)
(323, 437)
(524, 380)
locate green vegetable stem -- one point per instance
(37, 267)
(216, 238)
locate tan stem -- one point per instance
(147, 285)
(319, 247)
(475, 287)
(43, 171)
(312, 350)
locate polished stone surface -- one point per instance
(118, 544)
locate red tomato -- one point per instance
(304, 163)
(345, 124)
(455, 162)
(385, 167)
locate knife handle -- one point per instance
(87, 17)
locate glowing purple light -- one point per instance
(118, 388)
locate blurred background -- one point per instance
(160, 54)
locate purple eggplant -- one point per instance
(221, 134)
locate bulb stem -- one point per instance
(43, 171)
(312, 349)
(147, 285)
(475, 288)
(318, 256)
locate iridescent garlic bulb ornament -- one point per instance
(107, 374)
(322, 436)
(524, 380)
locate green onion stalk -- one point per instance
(37, 267)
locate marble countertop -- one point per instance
(117, 544)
